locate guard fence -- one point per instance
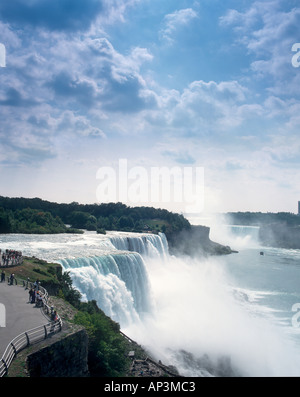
(33, 335)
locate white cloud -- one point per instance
(116, 10)
(206, 107)
(268, 30)
(8, 37)
(70, 123)
(174, 21)
(82, 87)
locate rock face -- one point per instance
(280, 235)
(66, 357)
(196, 242)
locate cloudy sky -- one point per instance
(87, 86)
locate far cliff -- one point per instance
(280, 235)
(195, 241)
(280, 230)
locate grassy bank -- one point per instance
(34, 268)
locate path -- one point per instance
(20, 314)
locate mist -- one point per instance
(224, 231)
(201, 326)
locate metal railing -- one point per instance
(32, 336)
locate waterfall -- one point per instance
(148, 245)
(118, 280)
(236, 236)
(244, 231)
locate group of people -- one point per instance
(35, 295)
(10, 257)
(11, 279)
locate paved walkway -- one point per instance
(20, 314)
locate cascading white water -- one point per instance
(148, 245)
(118, 280)
(235, 235)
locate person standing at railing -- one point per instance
(53, 318)
(39, 299)
(2, 276)
(31, 295)
(37, 285)
(27, 283)
(11, 279)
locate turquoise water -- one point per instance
(270, 282)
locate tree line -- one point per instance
(263, 218)
(37, 216)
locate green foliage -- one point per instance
(106, 346)
(74, 230)
(67, 291)
(30, 221)
(126, 222)
(5, 223)
(83, 220)
(21, 215)
(101, 231)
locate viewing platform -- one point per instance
(20, 314)
(25, 318)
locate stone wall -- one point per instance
(66, 357)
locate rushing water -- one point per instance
(229, 315)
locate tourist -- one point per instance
(31, 293)
(2, 276)
(39, 299)
(33, 296)
(54, 318)
(27, 282)
(11, 279)
(36, 285)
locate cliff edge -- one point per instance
(195, 241)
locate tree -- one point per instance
(126, 222)
(79, 219)
(5, 224)
(91, 223)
